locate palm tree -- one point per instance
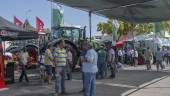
(105, 27)
(124, 28)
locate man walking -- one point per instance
(48, 60)
(23, 62)
(89, 70)
(60, 63)
(148, 58)
(159, 58)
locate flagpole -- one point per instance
(51, 19)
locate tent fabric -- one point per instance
(136, 11)
(10, 32)
(19, 35)
(5, 24)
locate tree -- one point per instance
(105, 27)
(167, 25)
(124, 28)
(144, 28)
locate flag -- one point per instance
(17, 21)
(39, 25)
(57, 17)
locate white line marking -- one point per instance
(4, 89)
(110, 84)
(143, 85)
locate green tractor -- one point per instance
(73, 37)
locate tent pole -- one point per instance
(38, 47)
(90, 25)
(133, 40)
(2, 79)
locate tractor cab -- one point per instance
(71, 33)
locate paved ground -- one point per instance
(129, 82)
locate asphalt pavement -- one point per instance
(130, 81)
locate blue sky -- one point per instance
(42, 9)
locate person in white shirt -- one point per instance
(135, 57)
(89, 70)
(23, 62)
(120, 55)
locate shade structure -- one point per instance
(5, 24)
(11, 35)
(10, 32)
(136, 11)
(119, 44)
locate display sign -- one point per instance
(8, 33)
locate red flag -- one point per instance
(39, 25)
(17, 21)
(2, 79)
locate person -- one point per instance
(135, 57)
(80, 61)
(111, 59)
(23, 62)
(42, 67)
(60, 58)
(168, 56)
(148, 57)
(129, 57)
(102, 56)
(159, 58)
(120, 55)
(89, 69)
(48, 60)
(69, 63)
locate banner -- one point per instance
(39, 25)
(57, 17)
(17, 21)
(2, 80)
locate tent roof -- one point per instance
(137, 11)
(10, 32)
(5, 24)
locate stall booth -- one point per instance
(11, 32)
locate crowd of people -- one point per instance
(57, 63)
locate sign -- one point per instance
(8, 33)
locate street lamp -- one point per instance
(26, 13)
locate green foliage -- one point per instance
(167, 25)
(96, 44)
(144, 28)
(105, 27)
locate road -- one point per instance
(127, 83)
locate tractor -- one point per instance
(73, 37)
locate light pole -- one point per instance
(26, 21)
(26, 13)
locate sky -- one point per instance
(42, 9)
